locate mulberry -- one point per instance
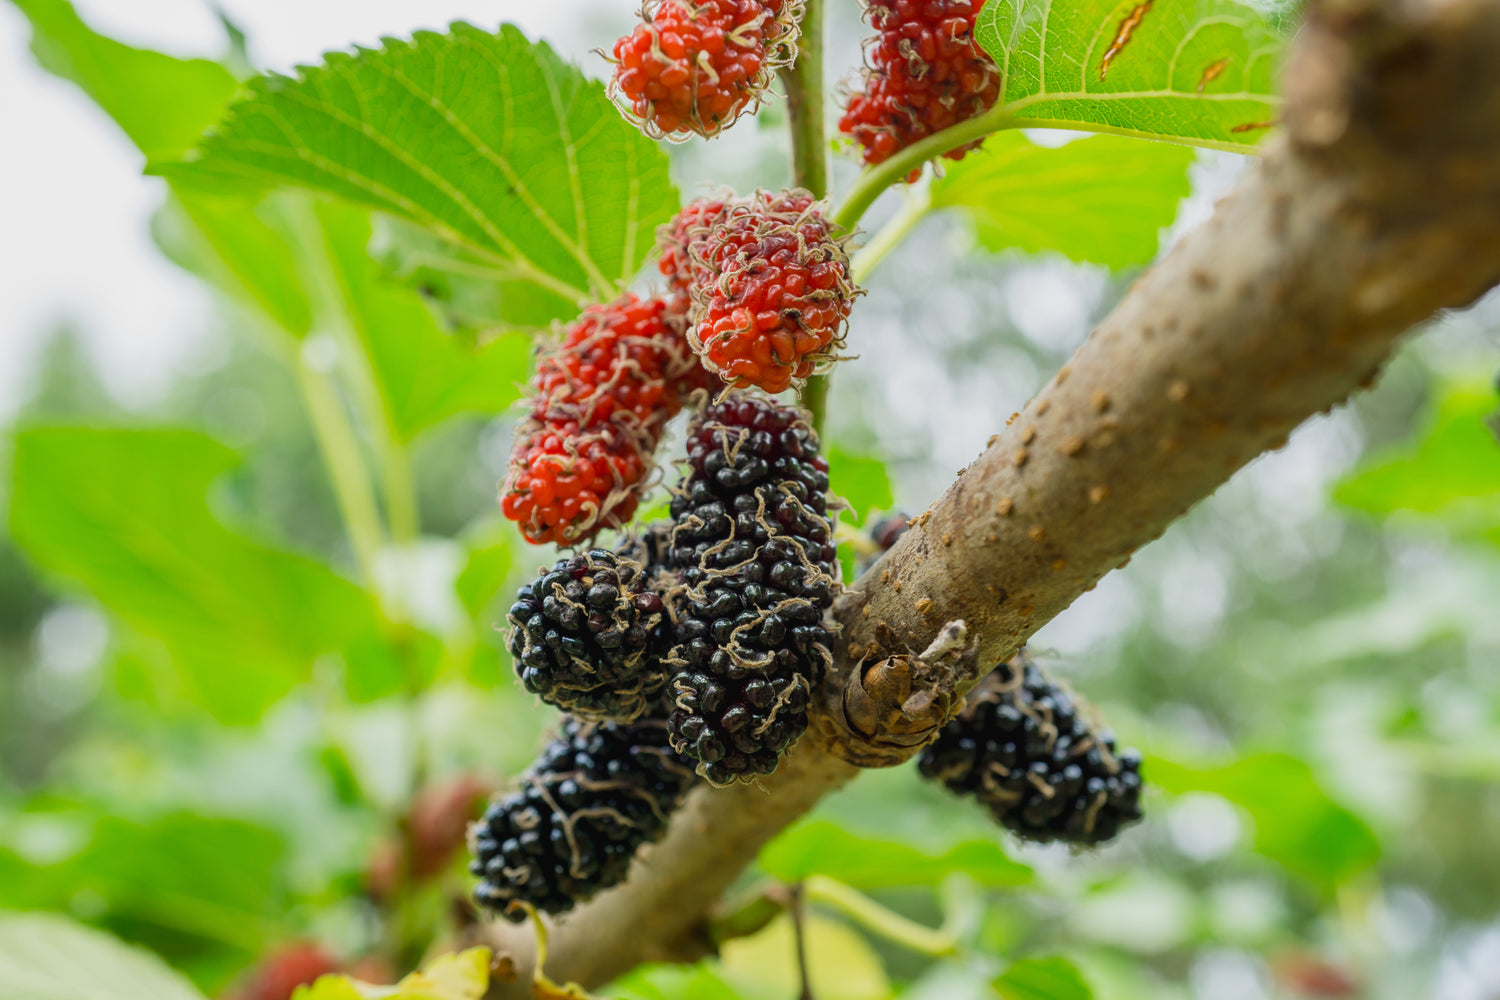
(676, 241)
(588, 635)
(752, 546)
(926, 73)
(770, 290)
(601, 398)
(694, 67)
(1023, 748)
(594, 796)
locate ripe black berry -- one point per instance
(587, 635)
(1024, 748)
(752, 546)
(594, 796)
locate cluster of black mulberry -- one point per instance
(597, 793)
(692, 647)
(1025, 749)
(753, 548)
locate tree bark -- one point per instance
(1377, 205)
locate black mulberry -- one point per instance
(752, 546)
(595, 795)
(1025, 749)
(588, 635)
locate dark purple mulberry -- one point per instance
(595, 795)
(753, 549)
(1024, 747)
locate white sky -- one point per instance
(74, 207)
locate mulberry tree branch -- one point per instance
(1378, 205)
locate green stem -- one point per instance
(341, 455)
(815, 399)
(877, 919)
(918, 204)
(804, 85)
(400, 491)
(881, 176)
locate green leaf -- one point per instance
(841, 965)
(861, 480)
(44, 957)
(1100, 200)
(163, 103)
(463, 975)
(1201, 72)
(822, 848)
(423, 374)
(487, 567)
(243, 248)
(124, 513)
(490, 140)
(1043, 979)
(1297, 824)
(671, 982)
(468, 293)
(1452, 470)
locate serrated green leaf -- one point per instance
(467, 293)
(163, 103)
(822, 848)
(124, 513)
(424, 375)
(1099, 200)
(43, 957)
(1297, 824)
(490, 140)
(463, 975)
(1043, 979)
(1452, 469)
(1201, 72)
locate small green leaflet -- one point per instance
(1199, 72)
(1043, 979)
(1102, 200)
(489, 140)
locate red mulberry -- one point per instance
(926, 73)
(771, 291)
(601, 398)
(694, 67)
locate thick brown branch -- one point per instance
(1379, 205)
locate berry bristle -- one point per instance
(595, 795)
(588, 636)
(1024, 747)
(925, 73)
(752, 547)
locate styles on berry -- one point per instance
(694, 66)
(601, 397)
(752, 546)
(595, 795)
(588, 636)
(925, 73)
(1025, 748)
(769, 283)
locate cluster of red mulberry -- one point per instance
(926, 73)
(694, 66)
(768, 282)
(601, 399)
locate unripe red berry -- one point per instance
(771, 290)
(694, 67)
(282, 970)
(925, 73)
